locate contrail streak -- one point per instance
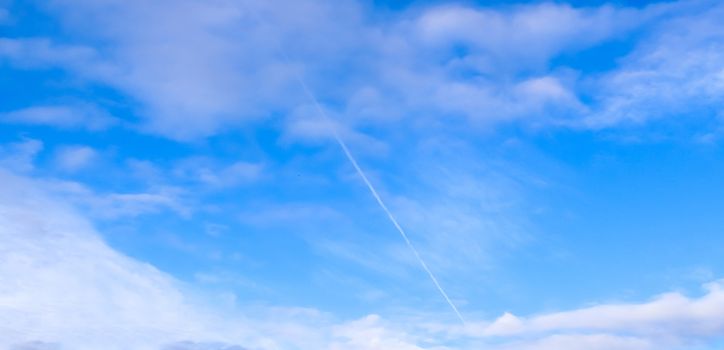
(379, 200)
(312, 97)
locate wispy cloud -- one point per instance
(80, 116)
(73, 158)
(675, 72)
(20, 156)
(214, 174)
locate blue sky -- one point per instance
(168, 184)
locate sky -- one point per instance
(170, 178)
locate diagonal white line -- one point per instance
(367, 182)
(379, 200)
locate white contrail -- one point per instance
(372, 189)
(361, 173)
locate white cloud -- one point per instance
(116, 205)
(188, 345)
(305, 125)
(199, 67)
(82, 116)
(64, 285)
(676, 71)
(213, 174)
(669, 315)
(74, 158)
(195, 67)
(527, 36)
(583, 342)
(20, 156)
(43, 53)
(65, 288)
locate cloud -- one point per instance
(187, 345)
(671, 314)
(73, 289)
(74, 158)
(194, 67)
(116, 205)
(370, 333)
(43, 53)
(582, 342)
(78, 116)
(676, 71)
(527, 36)
(66, 288)
(36, 345)
(197, 68)
(305, 125)
(213, 174)
(20, 156)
